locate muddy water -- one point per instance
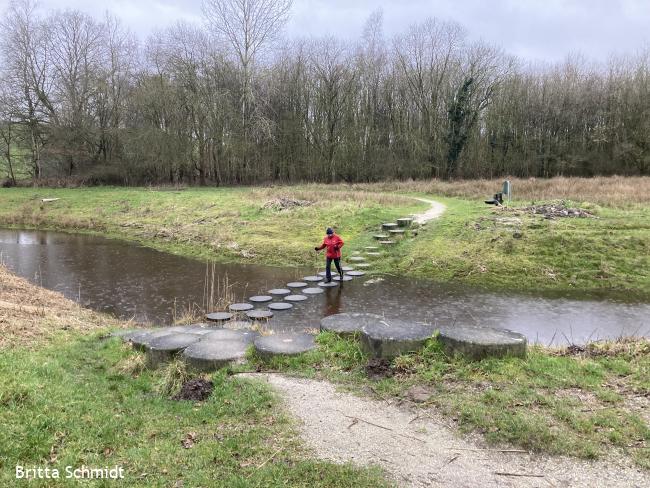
(130, 281)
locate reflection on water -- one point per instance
(135, 282)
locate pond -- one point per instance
(130, 281)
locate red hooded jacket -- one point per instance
(333, 243)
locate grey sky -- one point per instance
(531, 29)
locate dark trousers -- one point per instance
(328, 267)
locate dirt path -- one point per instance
(424, 452)
(436, 210)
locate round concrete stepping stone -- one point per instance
(482, 342)
(364, 266)
(387, 243)
(404, 222)
(279, 291)
(356, 273)
(202, 330)
(296, 298)
(218, 317)
(322, 273)
(240, 307)
(297, 284)
(206, 356)
(143, 341)
(346, 277)
(331, 284)
(259, 315)
(381, 237)
(312, 279)
(348, 323)
(389, 226)
(357, 259)
(280, 306)
(397, 232)
(371, 248)
(312, 291)
(163, 349)
(247, 336)
(374, 254)
(288, 344)
(347, 268)
(388, 338)
(261, 299)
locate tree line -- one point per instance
(231, 101)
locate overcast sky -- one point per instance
(531, 29)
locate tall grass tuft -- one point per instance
(172, 377)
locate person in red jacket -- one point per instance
(333, 243)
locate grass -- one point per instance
(577, 405)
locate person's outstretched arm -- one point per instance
(322, 246)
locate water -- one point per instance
(130, 281)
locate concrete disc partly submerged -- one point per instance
(163, 349)
(331, 284)
(346, 277)
(296, 298)
(363, 266)
(347, 268)
(240, 307)
(280, 306)
(356, 273)
(312, 279)
(259, 315)
(322, 273)
(288, 344)
(206, 356)
(261, 299)
(388, 338)
(481, 342)
(312, 291)
(279, 292)
(218, 316)
(297, 284)
(348, 323)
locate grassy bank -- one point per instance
(70, 398)
(496, 248)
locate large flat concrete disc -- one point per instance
(312, 279)
(297, 284)
(143, 340)
(346, 277)
(279, 292)
(389, 226)
(373, 254)
(388, 338)
(296, 298)
(280, 306)
(331, 284)
(381, 237)
(356, 273)
(322, 273)
(284, 344)
(205, 356)
(348, 323)
(347, 268)
(259, 315)
(396, 232)
(371, 248)
(404, 222)
(240, 307)
(312, 291)
(261, 299)
(164, 348)
(364, 266)
(357, 259)
(482, 342)
(199, 329)
(247, 336)
(218, 317)
(387, 243)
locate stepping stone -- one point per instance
(346, 277)
(163, 349)
(240, 307)
(387, 243)
(374, 254)
(296, 298)
(348, 323)
(404, 222)
(312, 279)
(371, 248)
(237, 325)
(331, 284)
(259, 315)
(347, 268)
(397, 232)
(388, 338)
(279, 291)
(261, 299)
(247, 336)
(206, 356)
(289, 344)
(364, 266)
(381, 237)
(322, 274)
(297, 284)
(218, 317)
(200, 329)
(357, 259)
(312, 291)
(389, 226)
(482, 342)
(142, 341)
(280, 306)
(356, 273)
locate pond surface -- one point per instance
(130, 281)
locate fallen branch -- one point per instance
(355, 420)
(264, 463)
(521, 451)
(524, 475)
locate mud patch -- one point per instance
(378, 369)
(196, 390)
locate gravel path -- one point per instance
(436, 210)
(425, 452)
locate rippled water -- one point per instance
(130, 281)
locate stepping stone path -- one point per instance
(356, 273)
(481, 342)
(389, 226)
(357, 259)
(312, 291)
(297, 284)
(404, 222)
(348, 323)
(346, 277)
(240, 307)
(347, 268)
(280, 306)
(163, 349)
(331, 284)
(279, 291)
(143, 340)
(381, 237)
(289, 344)
(371, 248)
(374, 254)
(218, 317)
(387, 243)
(322, 274)
(210, 355)
(312, 279)
(388, 338)
(397, 232)
(296, 298)
(247, 336)
(261, 299)
(259, 315)
(363, 266)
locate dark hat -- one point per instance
(329, 231)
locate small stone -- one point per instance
(218, 317)
(418, 394)
(312, 279)
(261, 299)
(240, 307)
(295, 298)
(297, 284)
(312, 291)
(280, 306)
(279, 291)
(289, 344)
(259, 315)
